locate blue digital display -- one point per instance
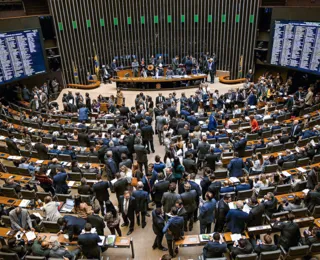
(21, 55)
(296, 44)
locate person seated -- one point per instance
(262, 182)
(61, 252)
(40, 247)
(82, 209)
(311, 237)
(264, 245)
(214, 249)
(275, 126)
(55, 150)
(13, 247)
(10, 183)
(241, 247)
(259, 145)
(84, 188)
(227, 187)
(295, 204)
(288, 157)
(20, 220)
(243, 185)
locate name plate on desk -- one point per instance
(259, 228)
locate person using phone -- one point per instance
(264, 245)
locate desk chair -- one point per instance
(282, 215)
(283, 189)
(314, 249)
(30, 257)
(264, 191)
(277, 148)
(94, 159)
(303, 142)
(276, 131)
(261, 150)
(232, 194)
(90, 175)
(288, 165)
(244, 194)
(63, 197)
(252, 137)
(211, 141)
(10, 192)
(6, 221)
(300, 186)
(316, 159)
(303, 162)
(221, 174)
(63, 142)
(82, 158)
(216, 258)
(316, 212)
(289, 145)
(51, 226)
(9, 256)
(266, 134)
(73, 142)
(74, 176)
(42, 195)
(270, 168)
(252, 256)
(300, 213)
(28, 195)
(47, 140)
(64, 157)
(294, 252)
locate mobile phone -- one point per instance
(11, 201)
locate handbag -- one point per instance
(134, 180)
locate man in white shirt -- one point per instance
(50, 210)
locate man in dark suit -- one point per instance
(141, 201)
(313, 198)
(120, 186)
(243, 185)
(270, 204)
(127, 208)
(141, 155)
(184, 132)
(256, 213)
(193, 121)
(173, 230)
(295, 131)
(244, 247)
(41, 149)
(160, 98)
(84, 188)
(171, 111)
(124, 111)
(147, 136)
(240, 146)
(235, 166)
(189, 164)
(96, 221)
(100, 189)
(169, 198)
(211, 159)
(89, 243)
(189, 201)
(290, 233)
(159, 189)
(12, 146)
(72, 225)
(214, 249)
(83, 138)
(265, 246)
(157, 226)
(206, 215)
(203, 150)
(221, 213)
(215, 186)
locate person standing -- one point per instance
(222, 211)
(141, 154)
(157, 226)
(173, 230)
(207, 211)
(147, 136)
(212, 69)
(189, 201)
(127, 208)
(89, 243)
(100, 188)
(135, 68)
(236, 219)
(96, 221)
(120, 100)
(159, 188)
(169, 198)
(83, 113)
(141, 199)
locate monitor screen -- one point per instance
(296, 44)
(21, 55)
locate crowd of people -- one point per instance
(179, 184)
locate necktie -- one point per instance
(126, 207)
(149, 184)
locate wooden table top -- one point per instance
(317, 222)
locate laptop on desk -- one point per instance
(68, 206)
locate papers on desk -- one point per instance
(285, 173)
(103, 240)
(53, 238)
(113, 181)
(2, 138)
(39, 161)
(301, 169)
(24, 203)
(71, 183)
(313, 143)
(48, 172)
(246, 208)
(235, 237)
(234, 180)
(31, 235)
(306, 191)
(37, 215)
(110, 240)
(229, 131)
(14, 158)
(198, 181)
(205, 237)
(232, 205)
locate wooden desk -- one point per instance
(124, 242)
(260, 229)
(228, 239)
(317, 222)
(16, 177)
(191, 240)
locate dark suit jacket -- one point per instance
(101, 190)
(240, 146)
(290, 234)
(131, 206)
(207, 211)
(312, 200)
(141, 153)
(296, 132)
(120, 186)
(242, 251)
(235, 167)
(214, 249)
(159, 189)
(264, 248)
(141, 199)
(236, 220)
(203, 150)
(97, 222)
(211, 160)
(157, 223)
(89, 244)
(255, 216)
(190, 165)
(147, 133)
(83, 140)
(12, 147)
(42, 151)
(189, 200)
(85, 190)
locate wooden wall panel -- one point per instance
(141, 28)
